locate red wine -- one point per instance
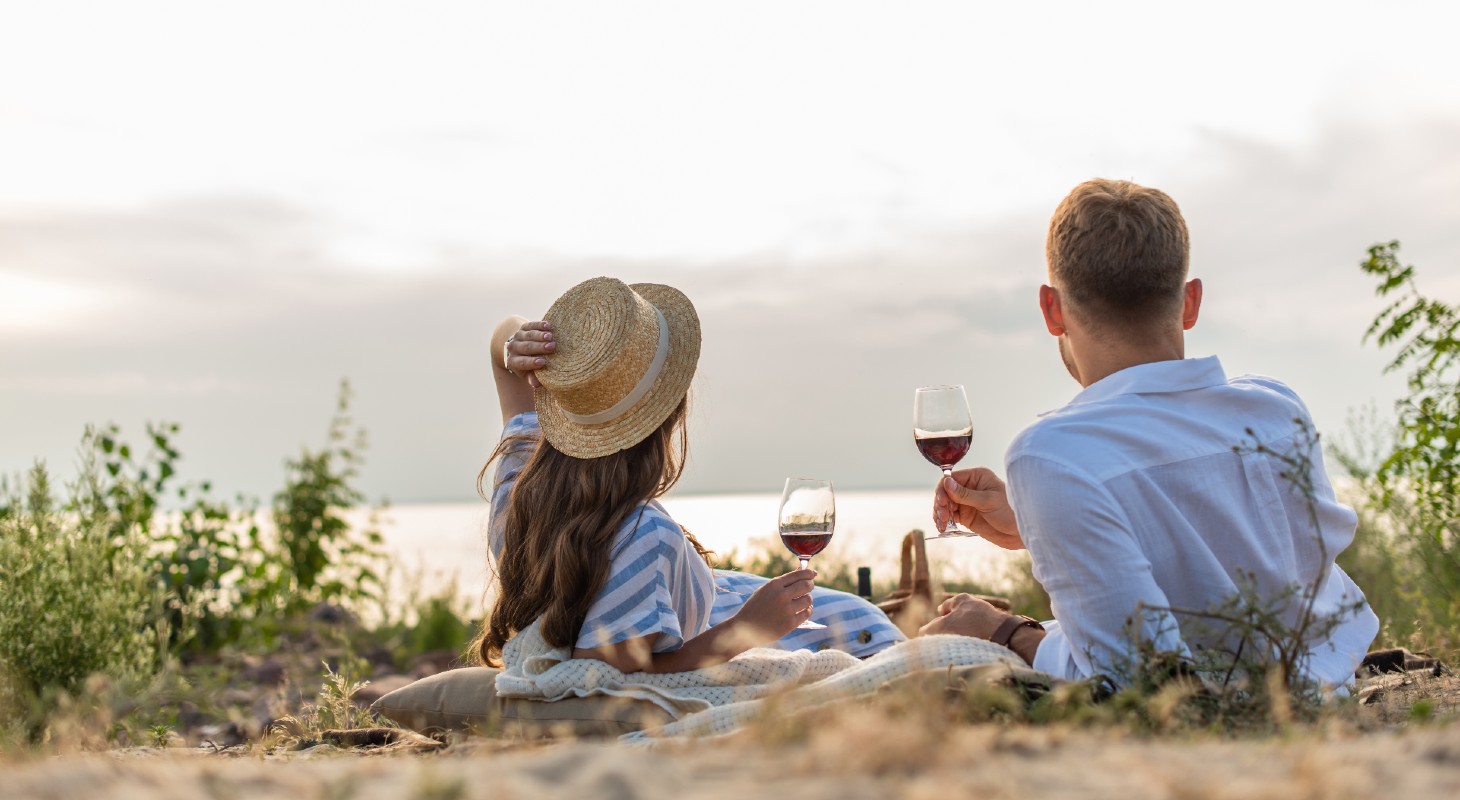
(806, 543)
(944, 451)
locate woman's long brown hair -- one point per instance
(562, 516)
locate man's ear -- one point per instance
(1054, 313)
(1191, 304)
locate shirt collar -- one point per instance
(1156, 377)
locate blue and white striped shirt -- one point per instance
(658, 583)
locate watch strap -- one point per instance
(1005, 632)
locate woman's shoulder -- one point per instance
(647, 528)
(524, 424)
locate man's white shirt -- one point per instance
(1149, 491)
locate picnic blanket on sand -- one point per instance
(719, 699)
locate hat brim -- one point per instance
(645, 417)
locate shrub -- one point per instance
(224, 579)
(1417, 484)
(208, 557)
(76, 599)
(323, 559)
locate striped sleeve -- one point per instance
(525, 430)
(654, 588)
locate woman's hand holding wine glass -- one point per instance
(806, 521)
(774, 609)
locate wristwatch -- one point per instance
(1005, 632)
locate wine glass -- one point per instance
(943, 431)
(807, 519)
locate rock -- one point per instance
(224, 734)
(382, 661)
(1399, 660)
(393, 738)
(331, 614)
(189, 717)
(270, 708)
(428, 664)
(266, 672)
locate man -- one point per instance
(1160, 486)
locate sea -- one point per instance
(433, 546)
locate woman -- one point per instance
(581, 542)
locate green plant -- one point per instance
(76, 599)
(208, 557)
(333, 709)
(428, 623)
(324, 559)
(159, 736)
(1418, 483)
(225, 580)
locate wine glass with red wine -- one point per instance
(943, 431)
(807, 519)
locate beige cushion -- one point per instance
(456, 699)
(466, 699)
(579, 716)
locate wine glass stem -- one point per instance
(948, 524)
(805, 562)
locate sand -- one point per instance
(890, 749)
(983, 761)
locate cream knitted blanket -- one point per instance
(719, 699)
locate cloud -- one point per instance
(237, 315)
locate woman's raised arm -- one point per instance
(513, 392)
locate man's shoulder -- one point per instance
(1125, 431)
(1263, 383)
(1058, 434)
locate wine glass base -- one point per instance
(953, 533)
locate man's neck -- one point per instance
(1100, 359)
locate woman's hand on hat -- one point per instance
(527, 347)
(778, 606)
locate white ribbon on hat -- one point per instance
(661, 354)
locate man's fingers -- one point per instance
(973, 498)
(936, 626)
(947, 606)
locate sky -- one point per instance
(211, 213)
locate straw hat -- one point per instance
(624, 361)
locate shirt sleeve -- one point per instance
(638, 599)
(521, 433)
(1086, 557)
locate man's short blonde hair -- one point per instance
(1119, 252)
